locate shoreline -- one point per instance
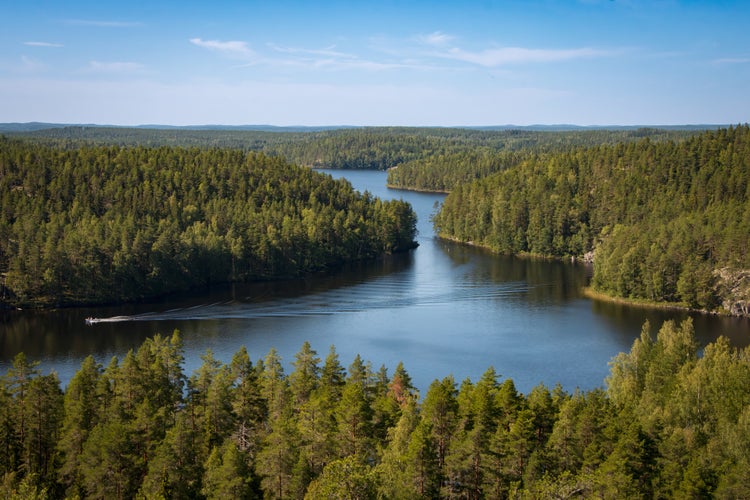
(416, 190)
(591, 294)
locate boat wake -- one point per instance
(112, 319)
(387, 293)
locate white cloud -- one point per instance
(114, 67)
(43, 44)
(517, 55)
(314, 59)
(231, 48)
(328, 51)
(435, 38)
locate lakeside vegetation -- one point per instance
(670, 424)
(667, 222)
(103, 224)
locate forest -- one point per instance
(665, 222)
(104, 224)
(442, 172)
(670, 424)
(378, 148)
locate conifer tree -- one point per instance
(175, 471)
(227, 474)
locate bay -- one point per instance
(442, 309)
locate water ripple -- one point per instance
(390, 292)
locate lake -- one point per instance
(443, 309)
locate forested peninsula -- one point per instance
(670, 424)
(667, 222)
(663, 213)
(100, 224)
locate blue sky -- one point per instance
(386, 62)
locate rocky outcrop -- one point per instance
(734, 289)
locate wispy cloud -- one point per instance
(426, 50)
(421, 52)
(297, 57)
(518, 55)
(327, 58)
(326, 52)
(103, 24)
(29, 65)
(43, 44)
(114, 67)
(732, 60)
(230, 48)
(436, 38)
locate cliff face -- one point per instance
(734, 289)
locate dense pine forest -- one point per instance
(667, 222)
(444, 171)
(670, 424)
(100, 224)
(377, 148)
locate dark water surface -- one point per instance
(442, 309)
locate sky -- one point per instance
(376, 63)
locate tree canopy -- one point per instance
(96, 224)
(666, 221)
(673, 422)
(377, 148)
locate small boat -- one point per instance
(90, 321)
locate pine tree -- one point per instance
(174, 471)
(17, 380)
(248, 406)
(81, 409)
(304, 379)
(440, 411)
(353, 417)
(396, 478)
(227, 474)
(279, 454)
(44, 408)
(110, 463)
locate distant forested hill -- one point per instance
(376, 148)
(97, 224)
(443, 171)
(668, 221)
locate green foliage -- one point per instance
(227, 474)
(443, 172)
(107, 224)
(495, 151)
(351, 148)
(344, 479)
(671, 424)
(665, 221)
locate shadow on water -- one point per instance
(548, 281)
(708, 327)
(64, 332)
